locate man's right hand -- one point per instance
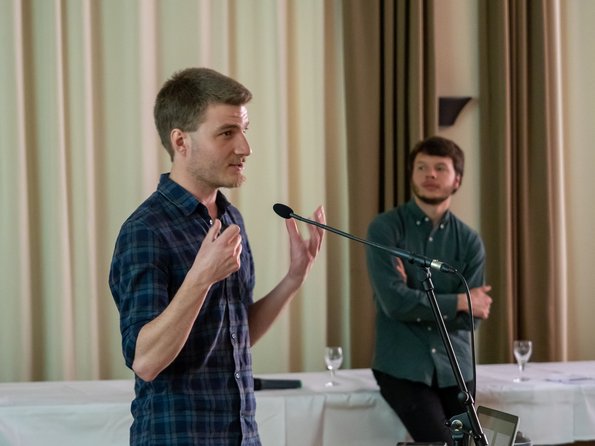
(219, 254)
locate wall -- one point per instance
(578, 73)
(457, 65)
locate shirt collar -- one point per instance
(419, 215)
(184, 200)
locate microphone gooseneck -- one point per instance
(286, 212)
(427, 263)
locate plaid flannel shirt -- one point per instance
(206, 396)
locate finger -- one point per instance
(317, 233)
(239, 246)
(315, 241)
(292, 228)
(238, 250)
(213, 232)
(319, 215)
(235, 257)
(228, 235)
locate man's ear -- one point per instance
(458, 180)
(179, 142)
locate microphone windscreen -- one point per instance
(282, 211)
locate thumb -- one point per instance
(214, 230)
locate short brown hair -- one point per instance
(439, 146)
(183, 100)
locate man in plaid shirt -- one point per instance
(182, 275)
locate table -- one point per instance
(351, 413)
(557, 405)
(97, 413)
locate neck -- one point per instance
(205, 194)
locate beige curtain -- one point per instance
(522, 169)
(391, 104)
(79, 152)
(343, 88)
(409, 102)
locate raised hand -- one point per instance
(219, 254)
(303, 252)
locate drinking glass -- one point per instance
(333, 357)
(522, 352)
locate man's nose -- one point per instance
(243, 147)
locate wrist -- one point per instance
(294, 281)
(462, 302)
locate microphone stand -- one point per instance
(466, 423)
(462, 425)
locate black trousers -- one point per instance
(423, 409)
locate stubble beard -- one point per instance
(238, 182)
(209, 175)
(433, 201)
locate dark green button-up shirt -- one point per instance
(408, 343)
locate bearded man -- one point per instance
(410, 362)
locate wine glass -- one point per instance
(522, 352)
(333, 357)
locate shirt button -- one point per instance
(418, 320)
(426, 219)
(418, 222)
(441, 225)
(233, 336)
(210, 221)
(445, 317)
(237, 375)
(429, 328)
(433, 351)
(431, 239)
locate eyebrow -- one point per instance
(225, 127)
(437, 164)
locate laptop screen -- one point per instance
(499, 427)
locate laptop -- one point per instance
(500, 428)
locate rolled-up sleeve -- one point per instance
(138, 281)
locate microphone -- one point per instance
(286, 212)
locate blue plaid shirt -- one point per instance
(206, 396)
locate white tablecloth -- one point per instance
(351, 413)
(557, 405)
